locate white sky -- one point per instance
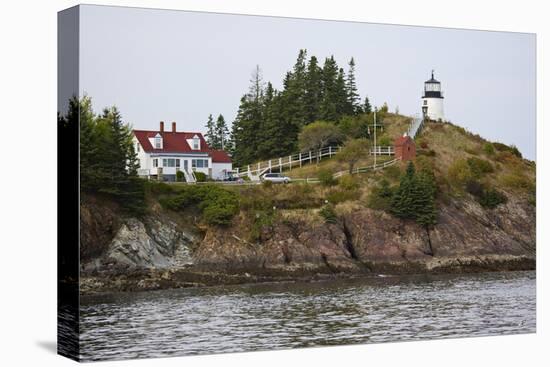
(181, 66)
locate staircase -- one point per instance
(415, 127)
(189, 176)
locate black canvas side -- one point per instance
(67, 186)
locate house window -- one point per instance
(199, 163)
(158, 142)
(155, 162)
(196, 143)
(177, 163)
(169, 162)
(137, 147)
(425, 102)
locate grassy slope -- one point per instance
(451, 143)
(394, 126)
(444, 144)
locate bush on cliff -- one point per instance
(217, 205)
(415, 197)
(328, 214)
(487, 197)
(325, 177)
(380, 198)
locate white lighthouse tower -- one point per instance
(432, 100)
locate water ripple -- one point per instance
(275, 316)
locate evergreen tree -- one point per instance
(328, 108)
(294, 93)
(402, 201)
(351, 86)
(221, 133)
(246, 130)
(313, 90)
(367, 108)
(108, 162)
(210, 131)
(415, 197)
(343, 107)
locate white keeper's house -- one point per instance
(162, 153)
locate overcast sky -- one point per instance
(181, 66)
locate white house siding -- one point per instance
(219, 169)
(146, 167)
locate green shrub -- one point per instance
(158, 188)
(348, 182)
(267, 184)
(392, 172)
(488, 149)
(425, 163)
(380, 197)
(479, 167)
(326, 178)
(460, 173)
(505, 148)
(488, 198)
(219, 213)
(200, 176)
(261, 220)
(339, 196)
(353, 127)
(492, 198)
(384, 141)
(517, 181)
(328, 214)
(180, 177)
(217, 205)
(475, 188)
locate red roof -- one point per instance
(220, 156)
(176, 142)
(402, 140)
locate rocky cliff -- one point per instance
(161, 250)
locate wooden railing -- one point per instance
(288, 162)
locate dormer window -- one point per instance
(158, 141)
(196, 143)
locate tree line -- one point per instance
(108, 160)
(269, 121)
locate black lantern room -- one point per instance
(432, 88)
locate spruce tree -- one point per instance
(313, 90)
(210, 131)
(343, 107)
(328, 108)
(246, 131)
(351, 86)
(367, 108)
(221, 133)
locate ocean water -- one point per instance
(305, 314)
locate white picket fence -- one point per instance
(254, 171)
(374, 167)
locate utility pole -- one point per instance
(375, 137)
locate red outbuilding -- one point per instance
(404, 148)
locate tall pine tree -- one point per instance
(313, 90)
(351, 86)
(328, 108)
(211, 131)
(221, 132)
(246, 131)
